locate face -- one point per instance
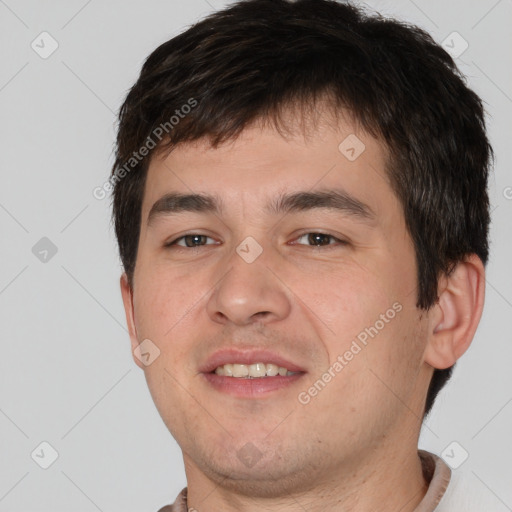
(298, 258)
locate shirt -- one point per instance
(435, 471)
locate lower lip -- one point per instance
(250, 388)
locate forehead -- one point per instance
(261, 162)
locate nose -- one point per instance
(249, 292)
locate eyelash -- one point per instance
(340, 241)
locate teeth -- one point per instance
(258, 370)
(240, 370)
(272, 370)
(252, 370)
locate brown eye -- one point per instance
(319, 239)
(190, 240)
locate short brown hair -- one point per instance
(248, 61)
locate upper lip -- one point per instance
(232, 355)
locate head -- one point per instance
(260, 112)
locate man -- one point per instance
(300, 201)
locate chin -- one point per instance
(270, 476)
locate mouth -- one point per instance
(252, 371)
(250, 374)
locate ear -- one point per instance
(127, 294)
(454, 319)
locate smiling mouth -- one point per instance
(252, 371)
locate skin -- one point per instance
(353, 447)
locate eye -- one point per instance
(191, 240)
(194, 240)
(319, 239)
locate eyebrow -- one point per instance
(330, 199)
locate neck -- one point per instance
(384, 480)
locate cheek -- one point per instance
(162, 301)
(166, 307)
(394, 357)
(366, 311)
(344, 300)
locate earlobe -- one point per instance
(454, 319)
(127, 294)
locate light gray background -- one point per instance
(66, 371)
